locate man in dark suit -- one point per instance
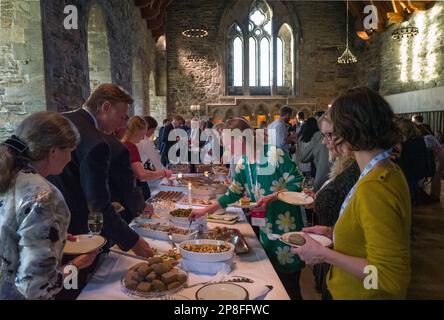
(161, 129)
(167, 144)
(84, 181)
(122, 184)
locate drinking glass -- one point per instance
(307, 184)
(307, 188)
(95, 222)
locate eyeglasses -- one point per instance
(328, 136)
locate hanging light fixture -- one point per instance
(195, 32)
(347, 57)
(406, 30)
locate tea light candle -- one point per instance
(189, 194)
(179, 175)
(206, 174)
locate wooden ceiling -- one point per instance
(389, 12)
(153, 11)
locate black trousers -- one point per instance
(84, 276)
(291, 284)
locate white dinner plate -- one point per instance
(85, 243)
(326, 242)
(222, 291)
(295, 198)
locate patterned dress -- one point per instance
(276, 172)
(34, 219)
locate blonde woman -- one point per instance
(328, 200)
(137, 128)
(34, 217)
(343, 175)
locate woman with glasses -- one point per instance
(371, 255)
(328, 200)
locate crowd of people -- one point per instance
(368, 167)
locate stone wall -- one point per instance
(158, 83)
(323, 40)
(22, 89)
(410, 64)
(99, 60)
(191, 82)
(66, 51)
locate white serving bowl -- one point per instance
(206, 257)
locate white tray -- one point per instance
(162, 235)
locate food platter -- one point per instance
(205, 250)
(233, 236)
(168, 196)
(196, 201)
(161, 231)
(154, 278)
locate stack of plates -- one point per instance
(221, 216)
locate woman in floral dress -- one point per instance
(263, 188)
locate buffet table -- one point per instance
(255, 265)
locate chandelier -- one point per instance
(347, 57)
(405, 31)
(195, 32)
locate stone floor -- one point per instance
(427, 250)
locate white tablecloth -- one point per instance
(106, 282)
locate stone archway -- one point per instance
(138, 95)
(99, 59)
(22, 83)
(157, 103)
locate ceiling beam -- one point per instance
(152, 11)
(143, 3)
(421, 5)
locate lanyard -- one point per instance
(369, 167)
(254, 185)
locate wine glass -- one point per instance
(307, 188)
(308, 184)
(95, 222)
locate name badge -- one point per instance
(258, 217)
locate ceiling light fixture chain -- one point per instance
(347, 57)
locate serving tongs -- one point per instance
(234, 280)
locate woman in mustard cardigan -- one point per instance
(371, 255)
